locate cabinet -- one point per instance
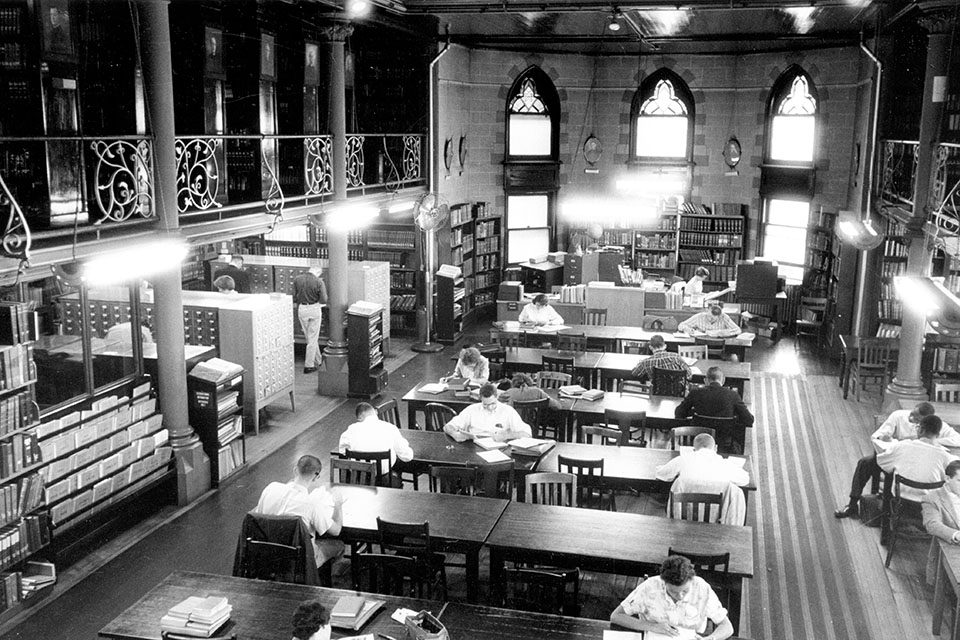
(655, 247)
(216, 414)
(367, 376)
(711, 241)
(893, 263)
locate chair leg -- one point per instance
(894, 522)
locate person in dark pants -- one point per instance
(241, 279)
(309, 296)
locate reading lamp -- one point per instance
(858, 231)
(927, 294)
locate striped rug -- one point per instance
(804, 586)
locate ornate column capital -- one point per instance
(336, 31)
(937, 19)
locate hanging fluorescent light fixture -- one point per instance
(928, 295)
(138, 261)
(613, 24)
(857, 231)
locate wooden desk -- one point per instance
(460, 524)
(612, 542)
(261, 610)
(948, 575)
(614, 366)
(612, 335)
(850, 350)
(625, 467)
(530, 360)
(489, 623)
(660, 409)
(949, 412)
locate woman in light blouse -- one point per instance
(540, 312)
(472, 365)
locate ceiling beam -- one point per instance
(556, 6)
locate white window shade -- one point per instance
(791, 138)
(527, 211)
(662, 136)
(522, 244)
(529, 134)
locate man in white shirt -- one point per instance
(305, 497)
(488, 418)
(714, 323)
(921, 460)
(899, 425)
(539, 312)
(370, 433)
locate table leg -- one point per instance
(473, 573)
(938, 595)
(496, 571)
(736, 602)
(411, 416)
(885, 509)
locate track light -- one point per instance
(614, 23)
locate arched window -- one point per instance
(533, 111)
(662, 118)
(792, 118)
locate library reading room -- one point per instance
(479, 319)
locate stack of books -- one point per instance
(352, 612)
(197, 617)
(572, 391)
(36, 576)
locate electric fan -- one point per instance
(430, 212)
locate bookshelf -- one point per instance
(215, 404)
(655, 247)
(893, 262)
(820, 272)
(462, 251)
(451, 295)
(711, 241)
(367, 376)
(397, 244)
(488, 255)
(941, 361)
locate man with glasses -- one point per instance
(489, 418)
(899, 425)
(306, 497)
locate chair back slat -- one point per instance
(572, 342)
(532, 412)
(456, 480)
(592, 433)
(946, 392)
(698, 351)
(699, 507)
(684, 436)
(669, 382)
(551, 488)
(553, 379)
(381, 460)
(595, 317)
(347, 471)
(558, 363)
(389, 411)
(627, 423)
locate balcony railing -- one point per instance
(379, 162)
(898, 168)
(945, 195)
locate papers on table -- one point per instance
(684, 449)
(401, 614)
(527, 443)
(433, 387)
(689, 361)
(696, 371)
(489, 443)
(684, 634)
(551, 328)
(494, 455)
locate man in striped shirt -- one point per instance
(661, 359)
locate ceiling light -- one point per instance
(358, 8)
(614, 23)
(138, 261)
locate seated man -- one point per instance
(370, 433)
(304, 496)
(920, 460)
(661, 359)
(539, 312)
(715, 400)
(673, 601)
(899, 425)
(488, 418)
(941, 515)
(714, 323)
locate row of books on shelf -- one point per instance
(710, 239)
(655, 261)
(717, 273)
(460, 213)
(823, 218)
(399, 259)
(456, 236)
(123, 478)
(17, 453)
(18, 323)
(488, 262)
(658, 241)
(573, 294)
(402, 279)
(230, 428)
(353, 237)
(707, 256)
(946, 360)
(229, 458)
(404, 302)
(896, 228)
(400, 239)
(482, 281)
(16, 365)
(712, 225)
(288, 251)
(488, 245)
(486, 229)
(20, 540)
(20, 498)
(16, 411)
(36, 575)
(819, 261)
(485, 297)
(893, 269)
(818, 241)
(694, 209)
(816, 281)
(227, 402)
(894, 248)
(11, 586)
(890, 309)
(468, 267)
(952, 282)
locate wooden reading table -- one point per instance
(620, 365)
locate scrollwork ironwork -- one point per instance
(318, 165)
(198, 173)
(274, 201)
(355, 161)
(411, 157)
(124, 178)
(17, 240)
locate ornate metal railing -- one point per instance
(318, 165)
(384, 162)
(945, 194)
(898, 167)
(123, 178)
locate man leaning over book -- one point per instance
(488, 418)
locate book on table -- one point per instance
(354, 612)
(489, 443)
(197, 616)
(572, 390)
(531, 446)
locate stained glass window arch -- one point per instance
(792, 118)
(662, 118)
(532, 110)
(528, 100)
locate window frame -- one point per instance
(781, 89)
(646, 90)
(767, 225)
(550, 195)
(548, 95)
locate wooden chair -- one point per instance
(591, 492)
(591, 433)
(551, 488)
(386, 573)
(457, 480)
(533, 413)
(276, 548)
(436, 415)
(385, 477)
(668, 382)
(496, 479)
(558, 363)
(887, 330)
(553, 379)
(635, 347)
(898, 504)
(595, 317)
(389, 411)
(697, 351)
(811, 314)
(683, 436)
(498, 363)
(576, 342)
(729, 435)
(412, 540)
(714, 346)
(946, 392)
(347, 471)
(630, 424)
(872, 364)
(511, 339)
(542, 590)
(698, 507)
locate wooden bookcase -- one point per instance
(655, 247)
(398, 245)
(711, 241)
(487, 255)
(451, 293)
(367, 376)
(893, 262)
(216, 414)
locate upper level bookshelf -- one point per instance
(893, 263)
(712, 241)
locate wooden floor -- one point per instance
(817, 577)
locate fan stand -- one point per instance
(430, 266)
